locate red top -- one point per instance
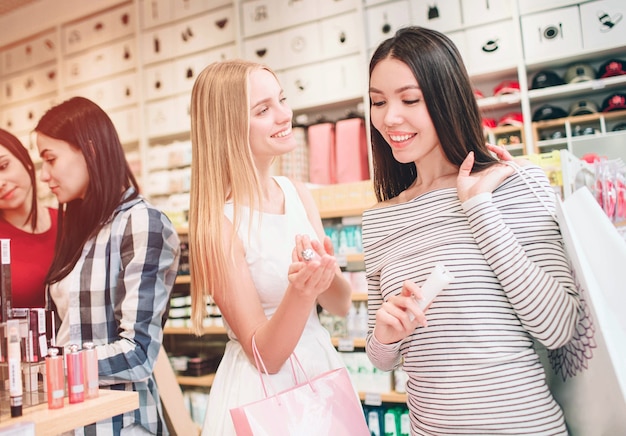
(31, 256)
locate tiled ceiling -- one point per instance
(7, 6)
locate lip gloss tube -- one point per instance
(14, 353)
(91, 370)
(75, 375)
(55, 379)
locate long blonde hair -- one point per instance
(222, 168)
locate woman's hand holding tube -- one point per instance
(399, 315)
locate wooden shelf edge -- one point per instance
(215, 330)
(53, 422)
(389, 397)
(357, 342)
(183, 279)
(205, 381)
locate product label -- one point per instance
(5, 246)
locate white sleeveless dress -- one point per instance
(268, 254)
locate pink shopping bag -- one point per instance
(324, 405)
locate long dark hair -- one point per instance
(17, 149)
(439, 69)
(85, 126)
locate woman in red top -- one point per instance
(29, 225)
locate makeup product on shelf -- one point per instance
(5, 280)
(55, 379)
(15, 366)
(90, 357)
(75, 375)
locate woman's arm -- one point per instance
(337, 299)
(524, 248)
(149, 251)
(239, 303)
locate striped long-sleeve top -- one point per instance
(473, 369)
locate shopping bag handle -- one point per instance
(527, 178)
(261, 368)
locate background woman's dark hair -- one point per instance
(448, 93)
(85, 126)
(17, 149)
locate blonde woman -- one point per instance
(249, 237)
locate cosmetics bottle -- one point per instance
(14, 355)
(75, 375)
(55, 379)
(5, 280)
(90, 357)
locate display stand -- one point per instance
(54, 422)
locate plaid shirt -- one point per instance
(118, 296)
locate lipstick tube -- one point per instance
(14, 354)
(55, 379)
(75, 375)
(90, 357)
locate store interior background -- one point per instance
(141, 67)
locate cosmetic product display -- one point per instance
(55, 379)
(15, 367)
(5, 280)
(75, 375)
(90, 357)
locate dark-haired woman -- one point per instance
(115, 260)
(24, 219)
(444, 199)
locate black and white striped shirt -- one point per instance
(474, 370)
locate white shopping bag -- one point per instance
(594, 399)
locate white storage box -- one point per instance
(491, 47)
(382, 21)
(260, 16)
(101, 28)
(340, 35)
(475, 13)
(304, 86)
(155, 12)
(344, 79)
(552, 34)
(533, 6)
(266, 49)
(205, 31)
(34, 83)
(111, 93)
(301, 45)
(328, 8)
(37, 51)
(158, 45)
(158, 81)
(297, 12)
(442, 15)
(126, 122)
(603, 24)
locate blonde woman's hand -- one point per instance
(399, 315)
(470, 184)
(312, 269)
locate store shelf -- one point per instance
(575, 89)
(54, 422)
(183, 279)
(348, 344)
(204, 381)
(214, 330)
(369, 398)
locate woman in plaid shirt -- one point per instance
(115, 261)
